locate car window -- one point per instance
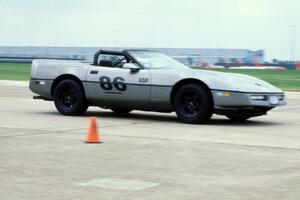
(155, 60)
(108, 60)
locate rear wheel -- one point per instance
(69, 98)
(193, 104)
(121, 110)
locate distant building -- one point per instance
(189, 56)
(204, 57)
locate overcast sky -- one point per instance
(250, 24)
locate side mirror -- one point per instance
(133, 67)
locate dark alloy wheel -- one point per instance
(69, 98)
(193, 104)
(121, 110)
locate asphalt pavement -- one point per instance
(144, 155)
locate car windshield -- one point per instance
(155, 60)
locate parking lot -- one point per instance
(144, 155)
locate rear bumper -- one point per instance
(235, 100)
(41, 87)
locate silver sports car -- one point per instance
(146, 80)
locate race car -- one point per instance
(150, 81)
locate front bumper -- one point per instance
(230, 99)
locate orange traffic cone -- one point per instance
(93, 136)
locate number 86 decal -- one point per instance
(118, 83)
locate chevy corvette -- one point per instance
(151, 81)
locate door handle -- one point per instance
(94, 72)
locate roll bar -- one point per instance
(98, 53)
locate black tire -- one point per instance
(121, 110)
(193, 104)
(69, 98)
(238, 118)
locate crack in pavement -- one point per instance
(46, 132)
(152, 138)
(208, 142)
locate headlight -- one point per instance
(259, 97)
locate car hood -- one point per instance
(235, 82)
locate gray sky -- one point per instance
(250, 24)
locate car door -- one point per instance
(118, 87)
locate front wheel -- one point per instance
(193, 104)
(69, 98)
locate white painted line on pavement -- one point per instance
(119, 184)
